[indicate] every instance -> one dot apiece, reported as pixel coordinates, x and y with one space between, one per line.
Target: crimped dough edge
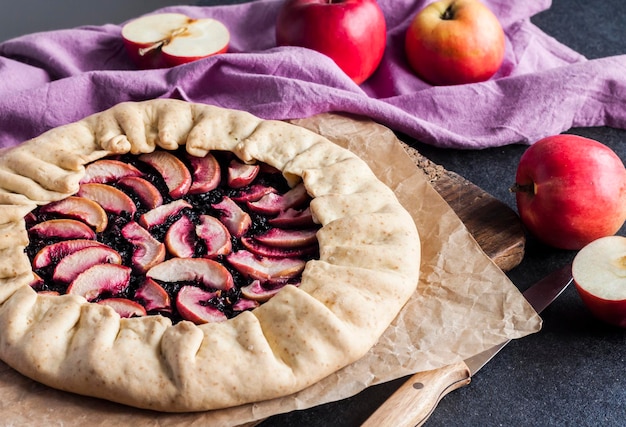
367 270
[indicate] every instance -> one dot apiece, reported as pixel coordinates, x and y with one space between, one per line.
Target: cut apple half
169 39
599 272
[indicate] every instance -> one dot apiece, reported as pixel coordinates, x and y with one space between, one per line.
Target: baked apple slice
241 174
293 218
206 173
293 238
252 245
66 229
255 291
209 273
54 252
110 198
252 193
153 296
215 236
108 170
73 264
180 238
161 214
265 268
193 305
236 220
148 251
79 208
100 279
274 203
173 171
145 191
124 307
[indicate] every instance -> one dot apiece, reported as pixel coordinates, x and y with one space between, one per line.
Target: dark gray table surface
572 373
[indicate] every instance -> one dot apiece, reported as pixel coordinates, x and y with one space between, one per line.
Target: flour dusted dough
367 270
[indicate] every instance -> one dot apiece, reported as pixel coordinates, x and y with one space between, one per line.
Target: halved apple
169 39
599 272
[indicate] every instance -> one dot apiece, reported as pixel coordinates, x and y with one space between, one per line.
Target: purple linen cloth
543 88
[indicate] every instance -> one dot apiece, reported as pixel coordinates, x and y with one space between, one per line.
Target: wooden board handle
417 398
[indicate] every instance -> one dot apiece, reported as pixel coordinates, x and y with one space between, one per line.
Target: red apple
169 39
453 42
599 272
353 33
570 191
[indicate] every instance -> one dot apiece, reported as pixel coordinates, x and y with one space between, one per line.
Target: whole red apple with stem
353 33
170 39
570 190
599 272
452 42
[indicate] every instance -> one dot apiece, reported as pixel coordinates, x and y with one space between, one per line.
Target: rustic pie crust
368 266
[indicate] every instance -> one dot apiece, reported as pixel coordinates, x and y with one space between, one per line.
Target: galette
184 257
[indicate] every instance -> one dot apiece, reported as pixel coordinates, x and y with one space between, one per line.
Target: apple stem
161 43
522 188
448 14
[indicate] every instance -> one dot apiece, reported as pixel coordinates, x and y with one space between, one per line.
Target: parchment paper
464 304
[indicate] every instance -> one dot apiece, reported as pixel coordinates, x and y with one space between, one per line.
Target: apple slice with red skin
265 268
37 282
173 171
108 170
66 229
215 236
70 266
100 279
79 208
153 295
148 251
272 203
206 173
170 39
293 218
180 238
241 174
110 198
124 307
192 304
209 273
54 252
276 252
599 272
253 193
293 238
244 304
160 214
236 220
257 292
145 191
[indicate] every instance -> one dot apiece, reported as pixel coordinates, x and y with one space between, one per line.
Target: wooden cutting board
495 226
